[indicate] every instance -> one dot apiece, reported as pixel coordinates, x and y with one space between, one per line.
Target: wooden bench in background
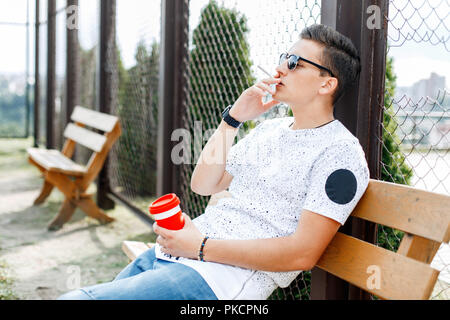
403 275
70 178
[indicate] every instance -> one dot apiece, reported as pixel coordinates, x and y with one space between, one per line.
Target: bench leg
45 192
91 209
68 208
64 215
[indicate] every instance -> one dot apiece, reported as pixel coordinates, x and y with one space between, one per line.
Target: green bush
12 111
393 166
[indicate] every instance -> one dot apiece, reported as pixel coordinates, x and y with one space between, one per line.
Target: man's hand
249 105
180 243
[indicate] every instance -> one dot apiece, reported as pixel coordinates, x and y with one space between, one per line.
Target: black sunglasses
293 62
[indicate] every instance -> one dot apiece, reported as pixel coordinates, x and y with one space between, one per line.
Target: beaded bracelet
200 252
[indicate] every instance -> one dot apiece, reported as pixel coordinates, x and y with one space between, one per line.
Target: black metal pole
27 74
370 108
175 16
51 76
36 79
108 65
360 110
72 61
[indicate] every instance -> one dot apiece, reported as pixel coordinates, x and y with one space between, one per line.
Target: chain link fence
416 125
133 158
88 55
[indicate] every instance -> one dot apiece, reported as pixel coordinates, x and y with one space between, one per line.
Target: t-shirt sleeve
236 155
339 179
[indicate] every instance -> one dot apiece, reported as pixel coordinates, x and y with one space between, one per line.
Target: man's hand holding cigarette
250 104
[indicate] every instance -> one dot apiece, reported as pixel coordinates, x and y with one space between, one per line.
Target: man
294 181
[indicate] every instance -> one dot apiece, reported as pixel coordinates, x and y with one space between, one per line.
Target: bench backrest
405 274
100 144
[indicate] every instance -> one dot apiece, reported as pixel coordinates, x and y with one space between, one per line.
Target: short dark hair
339 55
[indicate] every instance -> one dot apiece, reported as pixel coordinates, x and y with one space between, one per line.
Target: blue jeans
148 278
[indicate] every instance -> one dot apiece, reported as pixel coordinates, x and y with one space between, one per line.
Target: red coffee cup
167 212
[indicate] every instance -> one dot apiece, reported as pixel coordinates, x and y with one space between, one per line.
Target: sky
273 27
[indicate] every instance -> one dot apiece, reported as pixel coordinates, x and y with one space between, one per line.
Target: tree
219 71
138 112
220 65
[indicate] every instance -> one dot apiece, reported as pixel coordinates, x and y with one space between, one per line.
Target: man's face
301 85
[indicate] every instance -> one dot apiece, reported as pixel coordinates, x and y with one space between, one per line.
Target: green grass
13 155
6 283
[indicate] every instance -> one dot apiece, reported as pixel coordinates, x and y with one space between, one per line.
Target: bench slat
89 139
401 207
414 211
134 248
418 248
94 119
55 161
400 277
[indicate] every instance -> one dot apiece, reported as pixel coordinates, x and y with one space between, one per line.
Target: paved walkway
38 264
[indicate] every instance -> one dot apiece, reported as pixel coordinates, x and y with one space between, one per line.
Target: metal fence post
370 106
72 63
27 76
36 79
51 76
172 95
361 111
106 76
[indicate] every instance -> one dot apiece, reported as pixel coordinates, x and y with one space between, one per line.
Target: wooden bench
402 275
70 178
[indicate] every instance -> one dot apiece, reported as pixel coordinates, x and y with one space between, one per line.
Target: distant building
420 95
13 83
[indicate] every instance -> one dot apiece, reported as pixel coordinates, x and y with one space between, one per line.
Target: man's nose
281 69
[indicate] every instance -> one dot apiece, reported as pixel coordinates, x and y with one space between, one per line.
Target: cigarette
273 86
265 71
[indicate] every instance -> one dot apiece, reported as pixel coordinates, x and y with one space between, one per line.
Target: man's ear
330 85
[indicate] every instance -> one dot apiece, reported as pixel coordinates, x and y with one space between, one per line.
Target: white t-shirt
277 172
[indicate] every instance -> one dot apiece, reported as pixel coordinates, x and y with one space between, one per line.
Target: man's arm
299 251
209 175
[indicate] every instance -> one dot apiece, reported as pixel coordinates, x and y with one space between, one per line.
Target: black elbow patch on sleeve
341 186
